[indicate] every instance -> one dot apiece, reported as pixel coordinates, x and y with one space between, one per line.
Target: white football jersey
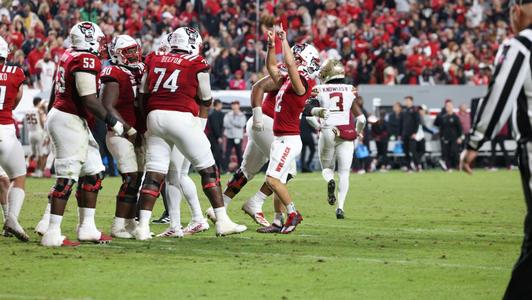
338 99
47 73
33 120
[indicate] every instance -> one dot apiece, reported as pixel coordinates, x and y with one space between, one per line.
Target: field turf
432 235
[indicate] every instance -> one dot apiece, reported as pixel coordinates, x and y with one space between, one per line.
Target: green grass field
432 235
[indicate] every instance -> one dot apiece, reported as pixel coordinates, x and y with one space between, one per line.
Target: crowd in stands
380 41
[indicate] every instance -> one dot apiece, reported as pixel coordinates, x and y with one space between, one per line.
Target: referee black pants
520 286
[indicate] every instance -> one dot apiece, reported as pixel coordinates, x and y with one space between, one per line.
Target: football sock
144 217
88 216
81 215
15 198
343 187
4 211
328 174
278 219
259 198
173 202
221 214
191 195
46 214
55 222
119 222
227 200
290 208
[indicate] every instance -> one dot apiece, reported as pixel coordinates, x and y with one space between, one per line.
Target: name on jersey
328 89
3 76
171 59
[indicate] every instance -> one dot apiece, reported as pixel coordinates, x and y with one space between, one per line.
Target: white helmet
4 48
87 36
124 50
307 57
185 39
164 44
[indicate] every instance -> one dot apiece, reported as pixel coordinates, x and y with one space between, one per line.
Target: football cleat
69 243
121 233
196 227
274 228
42 226
53 238
331 187
291 222
172 233
6 234
229 227
339 213
257 216
14 228
142 233
164 219
209 213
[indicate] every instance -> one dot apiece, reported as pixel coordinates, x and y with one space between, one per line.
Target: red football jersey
128 81
11 78
289 106
66 93
173 81
268 104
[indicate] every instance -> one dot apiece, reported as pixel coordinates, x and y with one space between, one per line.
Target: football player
77 155
12 158
171 85
120 81
178 183
336 99
302 61
34 120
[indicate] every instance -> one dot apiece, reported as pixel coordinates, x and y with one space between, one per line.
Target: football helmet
307 58
331 69
124 50
185 39
164 44
87 36
4 48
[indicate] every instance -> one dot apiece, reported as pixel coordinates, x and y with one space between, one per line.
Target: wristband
257 114
132 131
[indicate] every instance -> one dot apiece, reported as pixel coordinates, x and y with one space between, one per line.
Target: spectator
380 135
410 123
234 124
308 143
238 82
393 121
215 128
465 118
45 70
450 135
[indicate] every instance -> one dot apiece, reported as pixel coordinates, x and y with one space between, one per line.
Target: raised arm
264 85
205 96
291 65
271 60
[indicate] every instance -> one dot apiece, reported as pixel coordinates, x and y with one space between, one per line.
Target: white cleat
13 227
131 225
196 227
42 226
228 227
142 233
172 233
121 233
211 215
256 215
52 238
91 234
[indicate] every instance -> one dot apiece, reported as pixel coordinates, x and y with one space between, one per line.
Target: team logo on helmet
192 35
88 31
298 48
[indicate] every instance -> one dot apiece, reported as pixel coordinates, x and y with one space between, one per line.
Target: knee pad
61 189
91 183
237 182
129 188
151 185
210 177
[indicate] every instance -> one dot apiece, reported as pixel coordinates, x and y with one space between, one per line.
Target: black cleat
339 213
164 219
331 187
273 228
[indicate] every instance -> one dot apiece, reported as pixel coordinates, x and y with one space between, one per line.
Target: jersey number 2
338 100
170 83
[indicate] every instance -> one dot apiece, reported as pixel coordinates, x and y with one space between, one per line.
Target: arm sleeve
204 86
85 83
508 78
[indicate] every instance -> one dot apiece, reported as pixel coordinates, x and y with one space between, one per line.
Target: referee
510 91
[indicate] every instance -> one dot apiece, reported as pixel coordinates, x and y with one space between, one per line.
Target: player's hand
466 159
360 136
281 34
336 131
271 39
324 113
131 134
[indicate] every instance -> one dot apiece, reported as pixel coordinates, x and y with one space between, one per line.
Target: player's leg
197 222
193 143
4 187
123 151
89 185
282 161
173 196
344 155
157 161
326 146
278 219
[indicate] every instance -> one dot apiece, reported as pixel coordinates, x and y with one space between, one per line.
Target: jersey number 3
170 83
337 102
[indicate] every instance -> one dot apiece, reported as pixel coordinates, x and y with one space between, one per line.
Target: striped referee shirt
509 94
